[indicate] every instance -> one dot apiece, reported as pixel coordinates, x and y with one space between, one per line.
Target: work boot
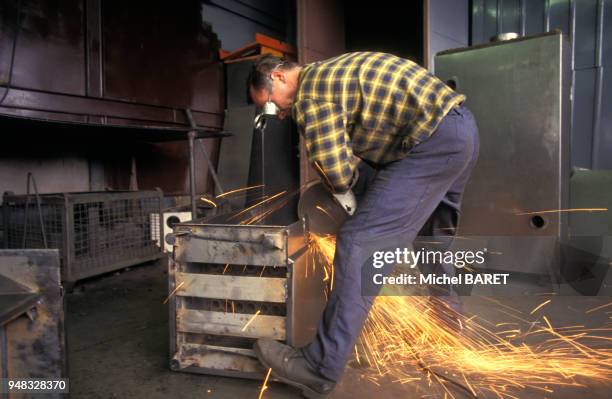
290 366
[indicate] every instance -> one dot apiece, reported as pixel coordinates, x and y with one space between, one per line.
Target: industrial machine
519 93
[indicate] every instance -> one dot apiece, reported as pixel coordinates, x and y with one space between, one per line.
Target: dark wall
387 26
237 21
95 63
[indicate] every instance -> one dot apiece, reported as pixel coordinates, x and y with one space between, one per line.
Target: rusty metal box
231 284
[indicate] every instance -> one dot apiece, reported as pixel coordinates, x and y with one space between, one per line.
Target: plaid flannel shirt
369 106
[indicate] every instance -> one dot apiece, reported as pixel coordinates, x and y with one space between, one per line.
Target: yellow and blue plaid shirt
374 106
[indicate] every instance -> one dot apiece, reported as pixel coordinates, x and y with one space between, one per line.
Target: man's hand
347 201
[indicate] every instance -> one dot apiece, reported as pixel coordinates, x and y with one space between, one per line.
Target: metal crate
96 232
225 274
32 336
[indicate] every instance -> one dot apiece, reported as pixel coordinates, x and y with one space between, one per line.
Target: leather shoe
290 366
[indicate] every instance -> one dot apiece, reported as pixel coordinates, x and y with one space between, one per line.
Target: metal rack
95 232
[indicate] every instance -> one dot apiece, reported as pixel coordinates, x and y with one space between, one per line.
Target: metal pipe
211 169
192 175
546 15
572 35
263 165
598 85
3 353
38 206
500 5
191 135
523 17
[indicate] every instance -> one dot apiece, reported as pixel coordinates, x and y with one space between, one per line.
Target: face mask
269 110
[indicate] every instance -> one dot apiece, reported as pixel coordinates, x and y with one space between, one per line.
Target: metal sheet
138 46
585 35
489 20
510 15
323 215
559 14
306 301
203 348
297 240
518 92
588 250
605 144
35 347
205 359
248 245
534 20
235 152
263 289
582 135
50 42
206 322
236 90
275 165
607 35
15 299
111 51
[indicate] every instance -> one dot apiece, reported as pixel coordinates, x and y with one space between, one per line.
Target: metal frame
67 202
213 245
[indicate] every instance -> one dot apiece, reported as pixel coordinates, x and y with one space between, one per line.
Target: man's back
388 104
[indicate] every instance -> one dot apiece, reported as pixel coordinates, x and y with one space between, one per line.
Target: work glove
347 201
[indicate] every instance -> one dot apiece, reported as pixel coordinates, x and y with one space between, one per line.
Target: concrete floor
117 329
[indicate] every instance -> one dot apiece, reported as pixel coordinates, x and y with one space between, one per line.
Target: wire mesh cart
96 232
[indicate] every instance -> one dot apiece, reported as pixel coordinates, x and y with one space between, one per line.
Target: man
414 131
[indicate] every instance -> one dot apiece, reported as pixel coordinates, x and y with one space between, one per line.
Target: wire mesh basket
96 232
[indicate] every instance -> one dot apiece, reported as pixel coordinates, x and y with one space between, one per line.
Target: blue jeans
420 194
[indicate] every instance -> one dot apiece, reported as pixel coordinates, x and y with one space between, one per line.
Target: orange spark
258 204
237 191
316 164
173 292
406 339
599 308
563 210
540 306
251 320
265 386
319 208
208 201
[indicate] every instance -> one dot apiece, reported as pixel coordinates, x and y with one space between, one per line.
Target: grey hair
259 76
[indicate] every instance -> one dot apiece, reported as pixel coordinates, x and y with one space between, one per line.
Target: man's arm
327 142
